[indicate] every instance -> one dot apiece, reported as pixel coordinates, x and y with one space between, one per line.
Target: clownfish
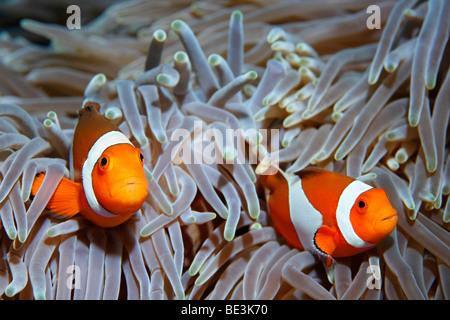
326 213
109 181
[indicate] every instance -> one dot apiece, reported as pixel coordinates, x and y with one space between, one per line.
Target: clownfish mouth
385 224
132 182
390 218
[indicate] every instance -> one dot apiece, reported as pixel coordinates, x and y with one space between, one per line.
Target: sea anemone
300 83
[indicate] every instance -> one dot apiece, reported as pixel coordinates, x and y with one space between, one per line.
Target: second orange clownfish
327 213
110 183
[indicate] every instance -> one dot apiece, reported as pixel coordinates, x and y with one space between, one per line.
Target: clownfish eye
362 206
104 162
140 155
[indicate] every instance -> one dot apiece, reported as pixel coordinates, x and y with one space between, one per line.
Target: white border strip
305 218
104 142
345 204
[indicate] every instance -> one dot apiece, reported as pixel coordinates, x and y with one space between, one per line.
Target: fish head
372 216
118 179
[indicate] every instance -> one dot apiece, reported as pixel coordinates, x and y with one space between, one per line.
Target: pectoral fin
66 200
325 243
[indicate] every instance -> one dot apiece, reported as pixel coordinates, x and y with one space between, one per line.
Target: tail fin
37 183
66 200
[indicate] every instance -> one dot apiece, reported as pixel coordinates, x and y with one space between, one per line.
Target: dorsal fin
89 106
309 172
90 127
323 189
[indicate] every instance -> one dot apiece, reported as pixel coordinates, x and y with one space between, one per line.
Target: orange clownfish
327 213
110 183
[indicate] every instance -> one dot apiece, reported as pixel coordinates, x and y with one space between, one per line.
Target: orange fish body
328 213
109 181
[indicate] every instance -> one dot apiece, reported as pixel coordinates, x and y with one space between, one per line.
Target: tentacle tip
22 237
200 281
412 214
251 75
224 214
167 209
269 99
51 232
338 106
254 212
175 193
432 166
365 169
410 205
390 136
340 154
12 233
48 123
51 114
285 142
193 269
10 290
142 140
160 35
389 67
144 232
263 166
228 234
28 24
319 156
237 15
181 57
307 114
372 79
446 190
113 113
214 60
258 118
413 120
166 80
255 226
312 104
430 83
177 25
148 173
288 122
229 154
99 79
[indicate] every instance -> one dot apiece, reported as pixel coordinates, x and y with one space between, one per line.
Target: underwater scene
225 150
